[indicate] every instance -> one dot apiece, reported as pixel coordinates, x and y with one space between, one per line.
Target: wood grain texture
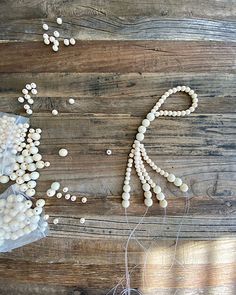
113 28
123 56
127 54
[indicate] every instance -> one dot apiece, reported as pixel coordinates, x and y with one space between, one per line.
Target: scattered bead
55 186
82 220
59 21
66 42
108 152
72 41
73 198
84 200
63 152
54 112
45 27
55 220
65 189
71 101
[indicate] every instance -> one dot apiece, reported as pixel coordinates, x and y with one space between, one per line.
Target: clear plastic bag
13 130
10 230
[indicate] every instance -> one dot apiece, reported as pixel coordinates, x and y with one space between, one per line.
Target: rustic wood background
127 54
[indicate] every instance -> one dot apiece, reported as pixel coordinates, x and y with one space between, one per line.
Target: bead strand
138 153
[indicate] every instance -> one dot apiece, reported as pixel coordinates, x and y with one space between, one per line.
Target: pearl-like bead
142 129
126 188
84 200
82 220
163 203
72 41
140 136
51 192
150 116
56 34
160 196
148 202
184 187
125 203
178 182
59 195
146 123
147 194
55 220
55 112
73 198
146 187
71 101
45 27
59 20
126 196
40 203
66 42
171 178
157 189
55 186
63 152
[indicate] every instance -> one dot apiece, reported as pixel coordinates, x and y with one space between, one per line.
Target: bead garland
138 154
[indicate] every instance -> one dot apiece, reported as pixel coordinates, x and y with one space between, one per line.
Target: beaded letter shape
138 154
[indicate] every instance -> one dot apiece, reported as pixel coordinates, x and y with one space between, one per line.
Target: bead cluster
54 39
53 190
27 162
138 154
30 88
12 136
18 218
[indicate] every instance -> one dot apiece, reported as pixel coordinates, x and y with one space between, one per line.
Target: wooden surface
127 54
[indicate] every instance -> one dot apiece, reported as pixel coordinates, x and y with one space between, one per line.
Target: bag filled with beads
13 131
21 221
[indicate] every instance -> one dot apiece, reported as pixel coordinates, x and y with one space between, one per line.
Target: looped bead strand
138 153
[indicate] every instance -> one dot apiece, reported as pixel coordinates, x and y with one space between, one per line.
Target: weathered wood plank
115 56
112 93
15 9
212 263
113 28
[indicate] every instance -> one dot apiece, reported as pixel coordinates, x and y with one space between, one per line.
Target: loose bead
59 20
38 210
84 200
45 27
59 195
63 152
30 192
55 112
66 42
108 152
55 186
184 187
40 203
46 217
55 48
72 41
71 101
73 198
82 220
55 220
56 34
51 193
67 196
65 189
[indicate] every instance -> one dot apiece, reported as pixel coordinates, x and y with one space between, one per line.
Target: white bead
73 198
51 192
55 221
54 112
52 39
63 152
150 116
146 187
55 186
55 48
30 192
40 203
142 129
66 42
46 217
4 179
65 189
178 182
23 187
47 164
31 167
71 101
56 34
29 212
84 200
59 195
160 196
33 85
67 196
147 194
108 152
126 196
39 164
34 175
28 204
37 157
184 187
46 41
59 20
21 99
31 184
139 136
163 203
82 220
38 210
126 188
33 150
72 41
125 203
26 107
25 91
146 123
36 136
171 178
34 91
157 189
45 27
148 202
